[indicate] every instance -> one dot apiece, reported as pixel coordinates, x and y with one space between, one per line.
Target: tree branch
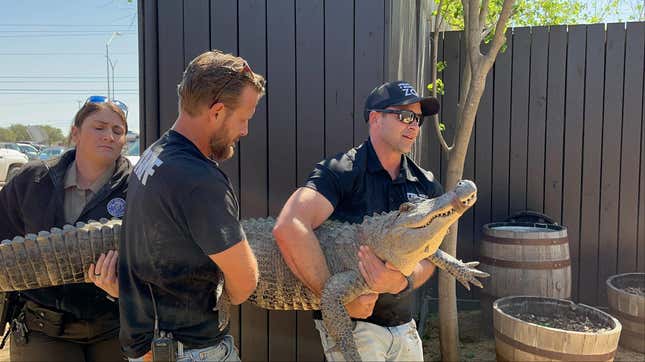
499 38
442 140
483 13
435 58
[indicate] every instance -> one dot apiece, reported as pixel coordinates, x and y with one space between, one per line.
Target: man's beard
221 148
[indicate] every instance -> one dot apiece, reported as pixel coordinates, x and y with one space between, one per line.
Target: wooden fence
559 129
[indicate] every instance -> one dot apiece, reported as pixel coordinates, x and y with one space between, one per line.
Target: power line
66 76
64 25
124 92
70 53
59 35
64 81
62 31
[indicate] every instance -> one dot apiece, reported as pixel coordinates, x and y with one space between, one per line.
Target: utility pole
108 62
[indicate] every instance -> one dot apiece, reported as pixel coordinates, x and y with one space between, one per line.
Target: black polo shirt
181 209
357 185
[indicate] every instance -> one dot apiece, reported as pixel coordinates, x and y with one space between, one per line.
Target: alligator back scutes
56 257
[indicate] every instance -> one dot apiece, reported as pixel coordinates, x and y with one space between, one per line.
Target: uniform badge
116 207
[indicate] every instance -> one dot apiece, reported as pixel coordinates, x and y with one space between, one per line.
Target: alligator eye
406 206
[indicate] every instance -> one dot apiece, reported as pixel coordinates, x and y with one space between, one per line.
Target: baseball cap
398 93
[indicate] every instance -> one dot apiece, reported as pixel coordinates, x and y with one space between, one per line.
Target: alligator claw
468 274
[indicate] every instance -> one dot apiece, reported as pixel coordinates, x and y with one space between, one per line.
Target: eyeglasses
246 72
405 116
104 99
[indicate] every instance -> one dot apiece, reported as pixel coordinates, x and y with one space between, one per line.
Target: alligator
403 238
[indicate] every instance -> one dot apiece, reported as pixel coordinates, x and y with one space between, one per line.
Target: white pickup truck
10 163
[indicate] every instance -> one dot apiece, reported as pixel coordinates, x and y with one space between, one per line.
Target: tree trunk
448 326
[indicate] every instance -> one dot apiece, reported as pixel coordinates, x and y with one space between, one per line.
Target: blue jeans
376 343
225 350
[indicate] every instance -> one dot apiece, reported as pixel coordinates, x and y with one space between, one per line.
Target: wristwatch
408 289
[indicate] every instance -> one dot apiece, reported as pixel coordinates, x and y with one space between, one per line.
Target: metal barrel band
561 356
623 315
630 334
538 265
511 241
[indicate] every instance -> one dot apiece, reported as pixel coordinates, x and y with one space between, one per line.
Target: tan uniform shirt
75 197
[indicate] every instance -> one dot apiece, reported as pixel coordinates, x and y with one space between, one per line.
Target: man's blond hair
215 77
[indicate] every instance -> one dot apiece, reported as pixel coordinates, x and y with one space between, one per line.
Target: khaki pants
376 343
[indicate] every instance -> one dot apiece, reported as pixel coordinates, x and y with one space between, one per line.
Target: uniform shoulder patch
116 207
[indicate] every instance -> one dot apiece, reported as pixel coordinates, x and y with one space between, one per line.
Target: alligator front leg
464 272
340 289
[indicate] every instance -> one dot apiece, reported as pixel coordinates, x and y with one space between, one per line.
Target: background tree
20 132
54 134
485 22
6 135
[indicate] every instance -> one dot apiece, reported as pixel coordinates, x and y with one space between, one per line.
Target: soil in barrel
635 290
569 320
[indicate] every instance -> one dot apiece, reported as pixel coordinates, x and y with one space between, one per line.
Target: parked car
133 153
10 163
37 146
10 146
29 150
51 152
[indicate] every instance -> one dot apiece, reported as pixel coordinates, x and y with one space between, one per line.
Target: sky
52 57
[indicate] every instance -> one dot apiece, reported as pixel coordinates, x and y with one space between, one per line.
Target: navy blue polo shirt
357 185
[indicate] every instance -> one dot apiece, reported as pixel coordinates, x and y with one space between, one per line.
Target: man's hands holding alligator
380 277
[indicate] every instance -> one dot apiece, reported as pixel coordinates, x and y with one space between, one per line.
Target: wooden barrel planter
523 258
626 294
538 329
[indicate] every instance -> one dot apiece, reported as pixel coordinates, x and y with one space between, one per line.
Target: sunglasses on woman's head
104 99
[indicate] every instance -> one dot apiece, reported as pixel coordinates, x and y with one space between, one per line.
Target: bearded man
182 219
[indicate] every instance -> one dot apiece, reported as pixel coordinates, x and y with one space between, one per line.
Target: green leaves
440 90
549 12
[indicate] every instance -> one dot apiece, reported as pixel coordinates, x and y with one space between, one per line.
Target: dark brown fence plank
253 166
148 74
537 119
196 28
310 85
281 60
451 50
573 135
310 119
171 60
430 157
640 267
611 142
224 25
483 159
519 119
224 37
591 161
369 34
641 203
467 221
630 160
339 76
501 130
555 122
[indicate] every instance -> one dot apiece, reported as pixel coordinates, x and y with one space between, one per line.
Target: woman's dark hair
89 108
